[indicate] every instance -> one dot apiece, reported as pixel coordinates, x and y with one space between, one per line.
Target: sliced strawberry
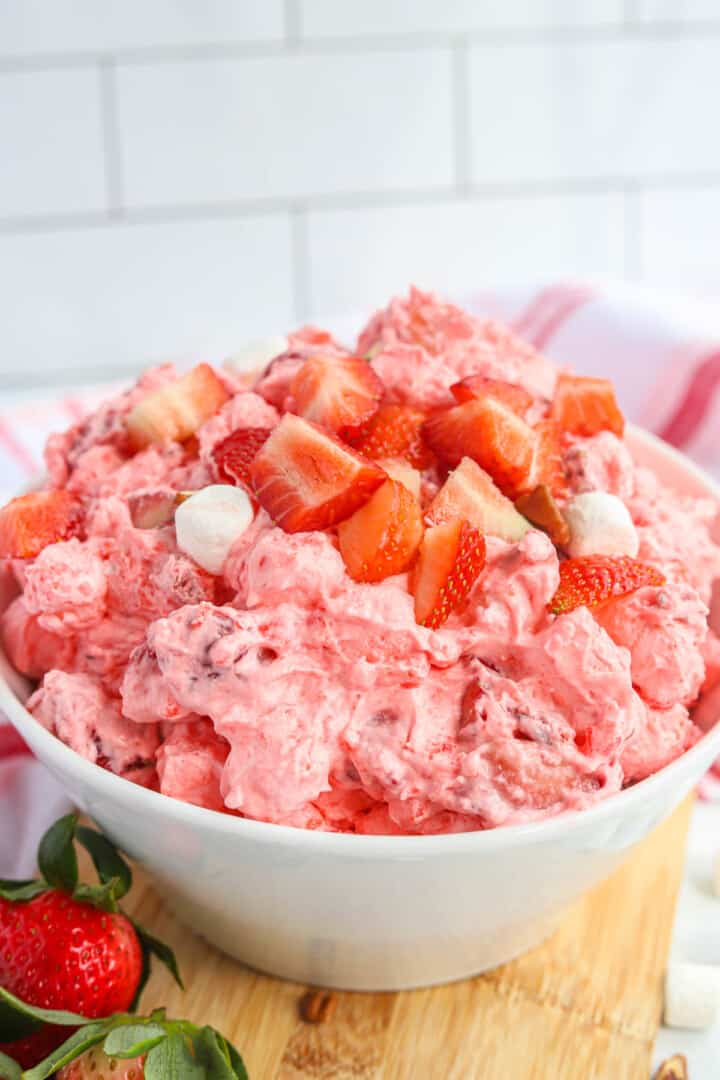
151 509
469 493
399 469
539 507
175 411
515 397
593 579
451 558
491 434
340 392
233 456
30 522
394 432
584 406
382 537
548 468
307 479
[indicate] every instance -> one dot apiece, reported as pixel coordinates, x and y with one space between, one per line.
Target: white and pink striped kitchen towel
662 352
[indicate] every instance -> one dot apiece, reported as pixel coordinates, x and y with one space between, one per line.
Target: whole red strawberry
66 946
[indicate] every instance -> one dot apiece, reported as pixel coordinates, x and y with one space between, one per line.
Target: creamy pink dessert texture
285 691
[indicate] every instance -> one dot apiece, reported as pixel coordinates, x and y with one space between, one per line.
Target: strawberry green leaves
152 946
57 860
18 1019
9 1069
108 862
172 1049
58 865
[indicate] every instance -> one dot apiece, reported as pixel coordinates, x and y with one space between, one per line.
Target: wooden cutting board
584 1006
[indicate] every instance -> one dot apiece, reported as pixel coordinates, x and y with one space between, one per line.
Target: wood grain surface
584 1006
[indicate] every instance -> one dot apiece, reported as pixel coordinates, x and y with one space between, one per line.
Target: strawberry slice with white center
340 392
175 411
585 406
233 456
515 397
31 522
469 493
401 470
382 537
307 479
491 434
451 558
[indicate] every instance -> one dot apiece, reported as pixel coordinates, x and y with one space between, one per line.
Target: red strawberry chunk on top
547 467
305 478
30 522
595 579
451 558
515 397
491 434
382 537
395 431
585 406
233 456
340 392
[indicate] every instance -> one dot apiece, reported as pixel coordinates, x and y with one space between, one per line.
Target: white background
179 175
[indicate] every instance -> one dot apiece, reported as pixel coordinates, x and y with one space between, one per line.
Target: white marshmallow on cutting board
600 524
256 355
692 995
209 521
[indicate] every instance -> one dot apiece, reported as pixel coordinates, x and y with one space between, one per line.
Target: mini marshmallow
600 524
209 521
692 995
256 355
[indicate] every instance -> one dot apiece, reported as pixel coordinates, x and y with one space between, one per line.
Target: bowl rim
353 844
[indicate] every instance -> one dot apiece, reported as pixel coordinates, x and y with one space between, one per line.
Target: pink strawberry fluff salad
288 671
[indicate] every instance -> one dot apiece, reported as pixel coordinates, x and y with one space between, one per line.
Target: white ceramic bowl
373 912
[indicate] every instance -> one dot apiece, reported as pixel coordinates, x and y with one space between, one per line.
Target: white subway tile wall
176 177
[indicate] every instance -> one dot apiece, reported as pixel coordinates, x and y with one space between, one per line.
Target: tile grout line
354 200
302 290
294 40
462 125
114 181
293 23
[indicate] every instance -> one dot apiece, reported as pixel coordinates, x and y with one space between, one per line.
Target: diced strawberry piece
491 434
175 411
539 507
584 406
307 479
395 431
401 470
340 392
30 522
234 455
515 397
451 558
470 494
548 468
152 509
594 579
382 537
